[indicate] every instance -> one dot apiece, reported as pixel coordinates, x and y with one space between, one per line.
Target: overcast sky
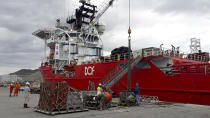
153 22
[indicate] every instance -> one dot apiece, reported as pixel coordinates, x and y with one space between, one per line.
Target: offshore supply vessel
76 56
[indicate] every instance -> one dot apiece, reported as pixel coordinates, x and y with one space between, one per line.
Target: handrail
118 72
174 53
195 68
123 56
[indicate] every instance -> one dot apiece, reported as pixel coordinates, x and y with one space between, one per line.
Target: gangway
116 74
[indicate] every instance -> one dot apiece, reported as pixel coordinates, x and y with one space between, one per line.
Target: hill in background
23 74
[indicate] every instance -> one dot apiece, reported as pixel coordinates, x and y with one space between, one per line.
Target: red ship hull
184 82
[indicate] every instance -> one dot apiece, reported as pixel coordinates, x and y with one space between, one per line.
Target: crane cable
129 53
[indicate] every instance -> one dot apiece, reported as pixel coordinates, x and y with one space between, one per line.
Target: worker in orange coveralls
17 87
11 89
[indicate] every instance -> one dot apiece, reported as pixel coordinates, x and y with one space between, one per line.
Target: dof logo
89 70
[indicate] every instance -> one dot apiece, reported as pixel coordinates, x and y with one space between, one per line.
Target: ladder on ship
116 74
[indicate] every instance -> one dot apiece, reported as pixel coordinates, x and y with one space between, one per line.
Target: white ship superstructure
78 40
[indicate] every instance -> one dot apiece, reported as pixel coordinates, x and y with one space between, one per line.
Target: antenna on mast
195 46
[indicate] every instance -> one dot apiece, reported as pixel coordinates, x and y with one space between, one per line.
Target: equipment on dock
55 98
35 88
92 100
59 97
127 98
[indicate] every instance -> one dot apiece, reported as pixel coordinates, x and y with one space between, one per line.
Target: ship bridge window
164 64
96 38
73 34
90 38
143 65
98 51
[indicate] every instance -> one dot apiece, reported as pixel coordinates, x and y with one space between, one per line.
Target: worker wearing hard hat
11 88
104 97
100 96
27 95
99 89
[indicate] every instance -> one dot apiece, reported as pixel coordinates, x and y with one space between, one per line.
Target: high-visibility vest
99 90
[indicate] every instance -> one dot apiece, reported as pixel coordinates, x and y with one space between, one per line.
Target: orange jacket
17 86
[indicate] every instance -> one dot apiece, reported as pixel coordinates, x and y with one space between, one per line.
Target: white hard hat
27 83
99 84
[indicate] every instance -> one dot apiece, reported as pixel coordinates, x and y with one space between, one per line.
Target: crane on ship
103 9
95 19
78 40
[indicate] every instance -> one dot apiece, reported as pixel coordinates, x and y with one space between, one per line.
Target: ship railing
178 54
117 73
123 56
169 52
111 75
163 52
197 57
195 68
116 57
123 71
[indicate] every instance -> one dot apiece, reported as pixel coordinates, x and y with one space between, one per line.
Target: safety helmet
99 84
104 85
27 83
137 84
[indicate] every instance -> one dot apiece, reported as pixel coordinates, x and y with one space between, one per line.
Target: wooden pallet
60 112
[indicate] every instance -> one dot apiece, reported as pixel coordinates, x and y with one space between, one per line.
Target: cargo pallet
60 112
55 98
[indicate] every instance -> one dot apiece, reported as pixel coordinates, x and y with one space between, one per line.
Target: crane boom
106 6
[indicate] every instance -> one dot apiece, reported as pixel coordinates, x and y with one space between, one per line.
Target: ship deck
13 107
